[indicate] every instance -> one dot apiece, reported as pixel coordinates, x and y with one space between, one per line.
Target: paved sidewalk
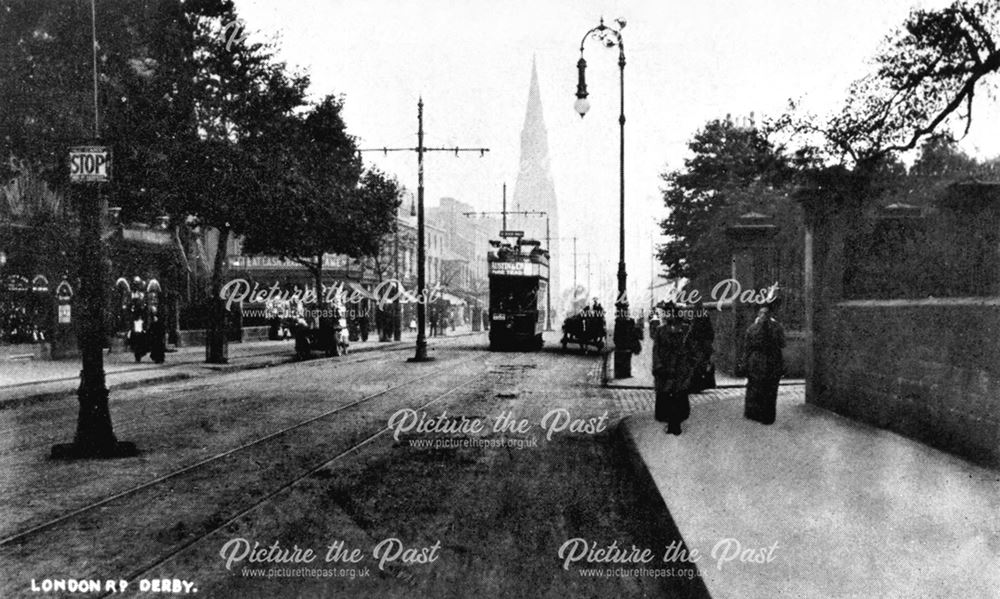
32 371
642 372
27 380
840 508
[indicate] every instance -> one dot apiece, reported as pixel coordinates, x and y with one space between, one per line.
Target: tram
519 280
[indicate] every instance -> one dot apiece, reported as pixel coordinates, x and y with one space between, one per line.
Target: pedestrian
364 324
137 310
342 338
157 335
273 319
764 365
701 338
672 370
287 319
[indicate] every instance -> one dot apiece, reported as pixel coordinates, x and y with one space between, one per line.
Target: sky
687 63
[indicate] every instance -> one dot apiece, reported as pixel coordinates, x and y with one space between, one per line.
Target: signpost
89 164
90 167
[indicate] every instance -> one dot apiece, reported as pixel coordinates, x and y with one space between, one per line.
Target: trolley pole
422 291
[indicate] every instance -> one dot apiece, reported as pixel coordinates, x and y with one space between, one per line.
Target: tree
733 169
190 112
48 85
242 99
926 77
144 102
330 205
941 157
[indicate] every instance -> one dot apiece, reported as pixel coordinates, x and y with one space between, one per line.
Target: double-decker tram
519 279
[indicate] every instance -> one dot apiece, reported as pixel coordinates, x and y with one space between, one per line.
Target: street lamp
94 436
611 37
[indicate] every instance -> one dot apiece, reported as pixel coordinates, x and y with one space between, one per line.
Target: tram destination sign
526 269
511 233
89 164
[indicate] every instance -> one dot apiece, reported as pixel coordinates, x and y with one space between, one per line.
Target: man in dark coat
764 365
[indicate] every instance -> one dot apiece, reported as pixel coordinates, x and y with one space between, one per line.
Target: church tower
534 189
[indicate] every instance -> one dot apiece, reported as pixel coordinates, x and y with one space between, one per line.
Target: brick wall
928 369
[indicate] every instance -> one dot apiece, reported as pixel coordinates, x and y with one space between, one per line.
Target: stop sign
89 164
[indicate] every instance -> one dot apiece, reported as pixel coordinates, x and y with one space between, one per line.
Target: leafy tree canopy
732 168
926 77
329 205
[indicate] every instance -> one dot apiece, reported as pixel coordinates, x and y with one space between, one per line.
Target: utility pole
397 325
422 293
504 211
652 273
588 272
574 268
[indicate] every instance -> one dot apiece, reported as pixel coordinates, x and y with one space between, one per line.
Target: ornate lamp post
624 325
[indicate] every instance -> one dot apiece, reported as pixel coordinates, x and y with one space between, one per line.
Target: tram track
357 447
144 368
27 534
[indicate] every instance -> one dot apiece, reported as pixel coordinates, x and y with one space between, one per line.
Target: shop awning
354 286
454 300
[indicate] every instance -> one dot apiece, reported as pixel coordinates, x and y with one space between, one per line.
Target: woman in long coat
672 371
764 366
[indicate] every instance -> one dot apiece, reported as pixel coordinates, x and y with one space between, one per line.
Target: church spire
533 189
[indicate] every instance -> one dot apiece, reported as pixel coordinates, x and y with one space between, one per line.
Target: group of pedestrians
147 330
682 362
439 321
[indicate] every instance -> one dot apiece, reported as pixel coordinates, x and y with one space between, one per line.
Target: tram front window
514 297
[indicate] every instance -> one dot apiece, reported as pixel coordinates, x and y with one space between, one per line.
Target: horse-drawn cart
586 329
